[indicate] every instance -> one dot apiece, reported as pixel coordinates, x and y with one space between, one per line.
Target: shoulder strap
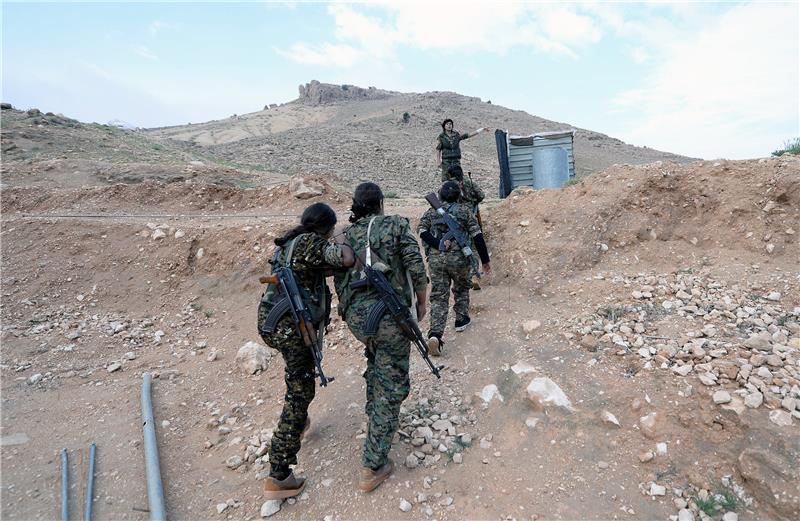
288 260
369 248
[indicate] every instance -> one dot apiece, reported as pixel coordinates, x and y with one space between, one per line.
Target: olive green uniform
449 268
387 353
450 145
471 194
308 255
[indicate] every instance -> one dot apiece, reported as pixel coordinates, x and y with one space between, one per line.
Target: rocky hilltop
351 133
316 93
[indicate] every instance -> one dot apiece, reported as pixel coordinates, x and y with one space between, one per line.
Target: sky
704 79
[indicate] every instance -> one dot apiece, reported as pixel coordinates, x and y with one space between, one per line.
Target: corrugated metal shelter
543 160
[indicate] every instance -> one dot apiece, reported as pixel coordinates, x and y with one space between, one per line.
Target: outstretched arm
467 135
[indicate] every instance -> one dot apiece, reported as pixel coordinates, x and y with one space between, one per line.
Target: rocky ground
385 137
635 355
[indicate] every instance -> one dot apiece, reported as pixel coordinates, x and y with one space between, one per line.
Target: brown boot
281 489
370 479
476 282
435 345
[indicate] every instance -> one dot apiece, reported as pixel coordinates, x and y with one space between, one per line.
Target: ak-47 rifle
455 232
292 301
475 208
391 302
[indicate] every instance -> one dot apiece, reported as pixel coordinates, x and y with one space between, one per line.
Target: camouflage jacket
393 244
449 144
311 256
432 222
471 194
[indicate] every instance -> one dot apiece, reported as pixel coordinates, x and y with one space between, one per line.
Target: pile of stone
745 346
700 504
249 451
436 425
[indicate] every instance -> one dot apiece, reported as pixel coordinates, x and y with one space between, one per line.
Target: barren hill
357 134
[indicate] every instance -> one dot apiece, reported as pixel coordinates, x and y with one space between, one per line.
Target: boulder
544 392
774 479
305 188
253 357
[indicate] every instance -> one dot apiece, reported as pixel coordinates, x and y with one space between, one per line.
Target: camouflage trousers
386 377
300 389
446 163
448 271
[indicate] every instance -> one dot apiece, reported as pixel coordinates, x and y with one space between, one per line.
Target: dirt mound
738 206
170 198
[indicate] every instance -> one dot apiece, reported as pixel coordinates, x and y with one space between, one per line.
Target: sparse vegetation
722 499
791 146
406 117
391 195
706 505
612 313
572 181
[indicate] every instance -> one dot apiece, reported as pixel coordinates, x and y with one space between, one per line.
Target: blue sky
704 79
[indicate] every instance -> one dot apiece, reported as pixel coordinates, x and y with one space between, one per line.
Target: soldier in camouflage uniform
306 250
392 245
471 193
449 267
448 146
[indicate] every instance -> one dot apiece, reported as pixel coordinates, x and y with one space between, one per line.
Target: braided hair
367 200
317 218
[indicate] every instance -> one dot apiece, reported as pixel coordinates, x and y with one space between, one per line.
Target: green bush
406 117
791 146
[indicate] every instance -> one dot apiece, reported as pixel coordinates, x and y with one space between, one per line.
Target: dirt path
80 294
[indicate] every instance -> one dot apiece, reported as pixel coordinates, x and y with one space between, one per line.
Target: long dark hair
449 192
456 172
317 218
366 201
445 123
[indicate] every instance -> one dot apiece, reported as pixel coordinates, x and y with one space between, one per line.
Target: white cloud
145 52
157 25
442 27
725 92
639 55
329 55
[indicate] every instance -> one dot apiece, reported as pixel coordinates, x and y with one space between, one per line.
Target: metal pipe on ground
155 489
87 511
64 485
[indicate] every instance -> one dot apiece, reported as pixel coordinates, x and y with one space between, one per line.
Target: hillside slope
331 132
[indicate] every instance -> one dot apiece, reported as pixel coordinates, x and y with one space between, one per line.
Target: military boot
435 345
476 282
283 488
370 479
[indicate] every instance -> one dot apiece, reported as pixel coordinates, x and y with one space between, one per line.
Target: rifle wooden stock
268 279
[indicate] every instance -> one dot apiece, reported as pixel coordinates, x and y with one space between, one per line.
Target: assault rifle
455 231
292 301
391 302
